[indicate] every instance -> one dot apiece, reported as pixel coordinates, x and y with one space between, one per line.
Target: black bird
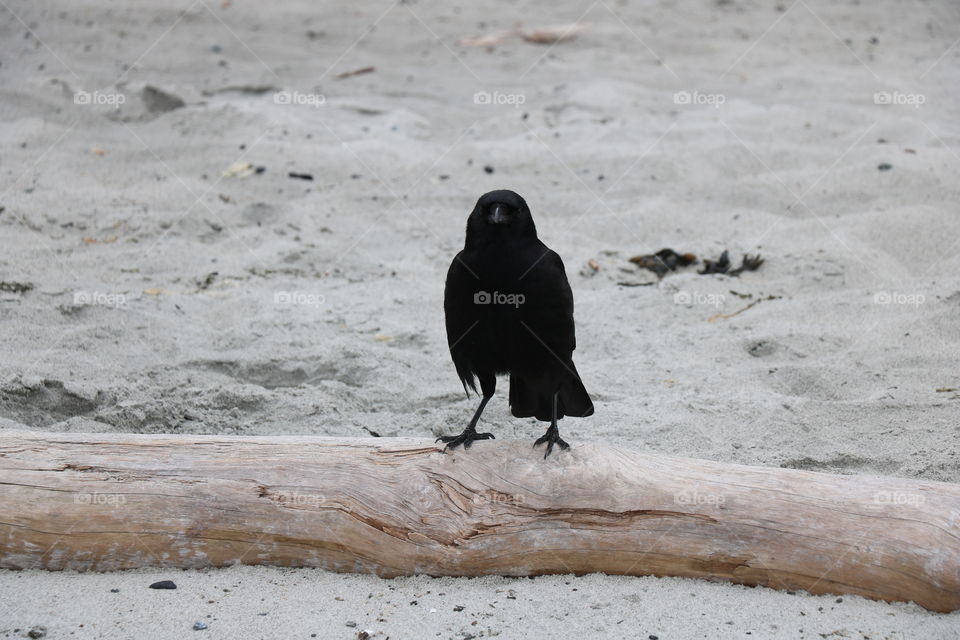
509 309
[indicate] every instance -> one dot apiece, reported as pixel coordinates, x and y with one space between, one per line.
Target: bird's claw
466 439
551 437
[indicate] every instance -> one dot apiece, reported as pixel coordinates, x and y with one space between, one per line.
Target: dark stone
163 584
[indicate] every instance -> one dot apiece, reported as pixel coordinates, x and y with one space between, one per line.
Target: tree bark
399 506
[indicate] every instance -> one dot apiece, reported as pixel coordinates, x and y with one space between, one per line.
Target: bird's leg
470 433
552 436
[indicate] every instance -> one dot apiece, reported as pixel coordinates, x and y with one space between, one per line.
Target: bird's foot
551 437
466 439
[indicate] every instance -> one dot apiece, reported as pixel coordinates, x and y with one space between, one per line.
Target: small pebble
199 626
351 624
488 169
884 166
114 590
163 584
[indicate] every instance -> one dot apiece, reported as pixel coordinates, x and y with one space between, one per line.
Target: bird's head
498 215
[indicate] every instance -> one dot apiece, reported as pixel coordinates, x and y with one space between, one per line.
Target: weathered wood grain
398 506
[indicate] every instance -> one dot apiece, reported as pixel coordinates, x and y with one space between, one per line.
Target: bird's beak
498 215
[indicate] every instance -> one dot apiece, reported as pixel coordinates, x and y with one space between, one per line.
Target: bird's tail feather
523 400
574 399
534 397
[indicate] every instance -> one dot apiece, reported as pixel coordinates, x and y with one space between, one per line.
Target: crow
509 310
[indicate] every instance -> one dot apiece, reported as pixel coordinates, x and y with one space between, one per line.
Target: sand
169 298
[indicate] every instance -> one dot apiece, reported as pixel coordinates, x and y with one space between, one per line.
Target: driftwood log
398 506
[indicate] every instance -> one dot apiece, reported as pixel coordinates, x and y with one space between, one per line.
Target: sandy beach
161 271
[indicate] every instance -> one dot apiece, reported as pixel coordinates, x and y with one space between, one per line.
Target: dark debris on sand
163 584
664 261
15 287
667 260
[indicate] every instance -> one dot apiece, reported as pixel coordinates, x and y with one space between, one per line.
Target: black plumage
509 310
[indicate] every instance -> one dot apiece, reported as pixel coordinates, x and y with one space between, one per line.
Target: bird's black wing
461 318
551 317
